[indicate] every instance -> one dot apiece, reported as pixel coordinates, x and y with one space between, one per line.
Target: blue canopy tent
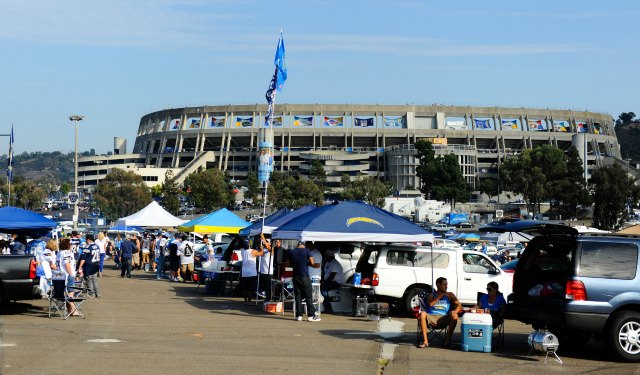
16 220
270 226
126 228
353 221
256 228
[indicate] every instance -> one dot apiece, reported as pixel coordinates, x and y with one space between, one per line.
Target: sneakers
299 318
158 278
314 318
262 295
180 279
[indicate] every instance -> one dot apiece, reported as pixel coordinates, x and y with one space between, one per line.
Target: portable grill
545 342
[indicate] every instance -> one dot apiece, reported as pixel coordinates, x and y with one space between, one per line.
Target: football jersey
91 256
66 257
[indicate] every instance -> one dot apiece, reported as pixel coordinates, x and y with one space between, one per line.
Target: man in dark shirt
90 265
300 259
126 250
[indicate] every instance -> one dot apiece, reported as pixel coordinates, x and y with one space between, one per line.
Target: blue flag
281 64
10 157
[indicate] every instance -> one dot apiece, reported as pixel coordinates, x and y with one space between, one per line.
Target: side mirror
494 272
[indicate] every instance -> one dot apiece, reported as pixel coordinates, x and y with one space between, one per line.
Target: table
228 276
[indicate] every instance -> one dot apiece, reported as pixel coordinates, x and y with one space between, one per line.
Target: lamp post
75 119
398 157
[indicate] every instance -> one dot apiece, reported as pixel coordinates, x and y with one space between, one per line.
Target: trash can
477 331
359 306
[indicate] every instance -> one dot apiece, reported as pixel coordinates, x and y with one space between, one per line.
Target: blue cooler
477 332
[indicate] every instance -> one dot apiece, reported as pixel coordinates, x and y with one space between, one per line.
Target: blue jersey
441 307
36 248
91 256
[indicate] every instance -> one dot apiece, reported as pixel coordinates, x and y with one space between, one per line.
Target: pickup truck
401 273
442 227
18 279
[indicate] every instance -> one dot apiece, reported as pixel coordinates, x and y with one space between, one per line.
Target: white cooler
477 332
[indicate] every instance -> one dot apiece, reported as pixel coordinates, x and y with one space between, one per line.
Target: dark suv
577 286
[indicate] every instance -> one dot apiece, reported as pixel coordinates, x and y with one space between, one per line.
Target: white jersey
102 245
334 266
317 259
66 257
161 245
185 251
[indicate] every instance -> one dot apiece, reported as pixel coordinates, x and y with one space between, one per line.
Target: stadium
352 139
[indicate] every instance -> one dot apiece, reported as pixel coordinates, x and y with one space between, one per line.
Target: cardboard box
272 307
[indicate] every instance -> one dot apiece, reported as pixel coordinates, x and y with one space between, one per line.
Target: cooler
477 332
359 306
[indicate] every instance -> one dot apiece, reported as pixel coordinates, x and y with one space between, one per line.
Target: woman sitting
494 302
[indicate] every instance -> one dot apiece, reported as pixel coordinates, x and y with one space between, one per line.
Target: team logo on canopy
364 220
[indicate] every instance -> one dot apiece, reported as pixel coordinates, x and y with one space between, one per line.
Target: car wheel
624 335
412 299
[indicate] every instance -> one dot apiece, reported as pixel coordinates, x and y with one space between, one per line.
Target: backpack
188 251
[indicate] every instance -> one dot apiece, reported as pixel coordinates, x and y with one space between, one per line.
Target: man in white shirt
333 278
161 244
266 269
185 252
315 272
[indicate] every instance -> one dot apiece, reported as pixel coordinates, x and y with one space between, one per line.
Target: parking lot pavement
147 326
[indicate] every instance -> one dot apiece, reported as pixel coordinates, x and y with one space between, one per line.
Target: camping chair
498 331
59 298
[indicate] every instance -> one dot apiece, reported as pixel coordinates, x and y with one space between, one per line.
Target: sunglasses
489 289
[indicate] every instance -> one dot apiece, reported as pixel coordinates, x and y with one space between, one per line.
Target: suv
402 273
578 286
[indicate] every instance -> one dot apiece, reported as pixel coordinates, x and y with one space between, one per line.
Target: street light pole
398 173
75 119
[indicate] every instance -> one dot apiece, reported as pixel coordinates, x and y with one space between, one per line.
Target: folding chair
498 331
434 332
59 299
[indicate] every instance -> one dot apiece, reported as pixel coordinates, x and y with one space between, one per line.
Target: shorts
145 257
185 267
135 259
438 320
71 282
174 265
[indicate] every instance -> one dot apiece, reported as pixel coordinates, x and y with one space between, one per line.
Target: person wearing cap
161 243
89 265
126 253
314 269
333 278
300 258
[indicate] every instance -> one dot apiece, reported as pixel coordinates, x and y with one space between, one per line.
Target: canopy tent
221 221
125 229
353 221
153 215
256 228
505 237
271 225
16 220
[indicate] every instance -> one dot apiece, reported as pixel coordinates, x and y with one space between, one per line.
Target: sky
115 61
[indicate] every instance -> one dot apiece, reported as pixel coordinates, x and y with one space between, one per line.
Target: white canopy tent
153 215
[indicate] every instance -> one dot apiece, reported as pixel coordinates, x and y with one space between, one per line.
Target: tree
489 186
318 175
65 188
293 192
366 189
571 188
612 190
426 156
121 193
253 186
171 193
25 193
440 177
625 118
209 189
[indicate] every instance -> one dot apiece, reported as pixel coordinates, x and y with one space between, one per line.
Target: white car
402 273
449 244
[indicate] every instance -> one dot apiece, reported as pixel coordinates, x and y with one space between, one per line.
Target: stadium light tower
76 119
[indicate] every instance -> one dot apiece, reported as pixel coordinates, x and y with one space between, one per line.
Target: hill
53 167
629 139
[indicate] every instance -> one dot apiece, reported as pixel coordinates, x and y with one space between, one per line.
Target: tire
411 299
623 335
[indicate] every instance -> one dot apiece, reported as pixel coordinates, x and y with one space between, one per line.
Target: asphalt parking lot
145 326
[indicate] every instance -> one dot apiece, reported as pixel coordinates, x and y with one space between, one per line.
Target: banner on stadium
561 126
276 121
175 124
455 124
582 127
511 124
245 122
333 121
482 124
217 122
393 121
597 129
194 123
363 122
303 121
537 125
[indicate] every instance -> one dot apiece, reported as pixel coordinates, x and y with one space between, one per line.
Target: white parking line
103 341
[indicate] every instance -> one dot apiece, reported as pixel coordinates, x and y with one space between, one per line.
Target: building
353 139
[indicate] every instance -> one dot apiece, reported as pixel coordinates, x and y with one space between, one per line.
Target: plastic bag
535 291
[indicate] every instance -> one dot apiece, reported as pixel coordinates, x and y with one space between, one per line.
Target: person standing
67 263
161 243
126 253
174 259
249 271
300 258
146 250
266 268
185 252
135 258
101 242
90 265
315 272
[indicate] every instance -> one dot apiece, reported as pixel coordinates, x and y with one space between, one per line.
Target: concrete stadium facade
353 139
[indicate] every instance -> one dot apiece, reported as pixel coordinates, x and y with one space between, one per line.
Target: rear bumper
557 317
17 290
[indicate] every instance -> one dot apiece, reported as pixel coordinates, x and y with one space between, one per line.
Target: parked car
401 273
464 224
442 227
510 267
578 286
449 244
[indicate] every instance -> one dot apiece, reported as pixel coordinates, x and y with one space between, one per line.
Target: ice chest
272 307
477 332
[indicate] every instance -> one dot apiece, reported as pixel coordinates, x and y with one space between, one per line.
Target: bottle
357 279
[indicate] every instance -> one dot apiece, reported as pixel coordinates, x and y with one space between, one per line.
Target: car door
476 271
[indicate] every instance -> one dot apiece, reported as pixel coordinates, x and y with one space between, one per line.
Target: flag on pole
277 81
10 157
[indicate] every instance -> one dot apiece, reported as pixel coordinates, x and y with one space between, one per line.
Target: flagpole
10 166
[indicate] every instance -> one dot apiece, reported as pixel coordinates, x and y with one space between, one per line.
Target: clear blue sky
115 61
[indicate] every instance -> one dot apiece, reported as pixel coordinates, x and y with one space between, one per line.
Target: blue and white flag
10 157
482 124
279 76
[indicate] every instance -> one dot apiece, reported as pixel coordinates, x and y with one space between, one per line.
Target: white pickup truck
400 273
